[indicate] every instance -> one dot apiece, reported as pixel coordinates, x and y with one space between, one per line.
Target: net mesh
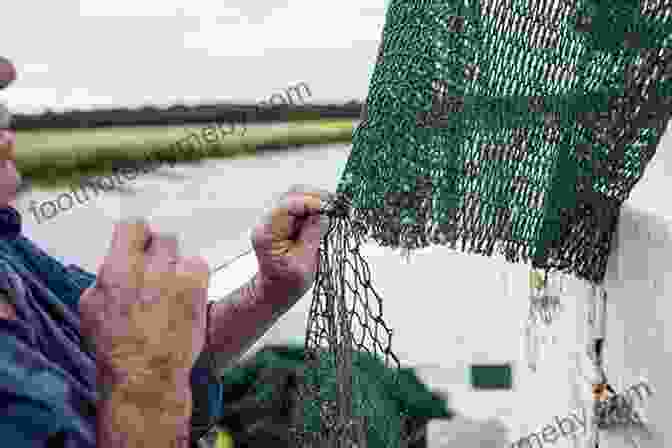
516 127
511 126
345 321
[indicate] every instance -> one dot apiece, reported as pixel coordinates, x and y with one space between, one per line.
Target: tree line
181 114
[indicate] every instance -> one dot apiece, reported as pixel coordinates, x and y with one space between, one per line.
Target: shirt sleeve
26 424
29 394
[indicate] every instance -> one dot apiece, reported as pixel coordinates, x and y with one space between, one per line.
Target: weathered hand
146 311
286 242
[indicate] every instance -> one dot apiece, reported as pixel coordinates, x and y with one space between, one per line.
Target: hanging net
511 126
346 332
516 127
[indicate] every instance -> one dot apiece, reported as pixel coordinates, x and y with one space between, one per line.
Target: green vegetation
58 157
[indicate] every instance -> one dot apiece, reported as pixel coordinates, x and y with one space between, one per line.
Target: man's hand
286 242
146 316
146 312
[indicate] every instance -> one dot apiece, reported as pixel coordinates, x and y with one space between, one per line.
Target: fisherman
107 360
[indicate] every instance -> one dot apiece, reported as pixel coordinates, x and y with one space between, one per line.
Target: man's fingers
324 195
284 222
300 204
289 217
299 201
164 247
311 233
124 265
308 189
161 257
129 237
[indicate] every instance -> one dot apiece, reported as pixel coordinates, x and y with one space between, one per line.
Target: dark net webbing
511 126
345 325
516 127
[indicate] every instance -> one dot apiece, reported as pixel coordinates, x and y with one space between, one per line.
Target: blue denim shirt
47 378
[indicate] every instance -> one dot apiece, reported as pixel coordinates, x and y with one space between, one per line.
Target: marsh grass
55 158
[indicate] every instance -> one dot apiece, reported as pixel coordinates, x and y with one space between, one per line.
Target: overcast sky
81 53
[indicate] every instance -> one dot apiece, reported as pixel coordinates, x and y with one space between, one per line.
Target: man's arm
286 242
244 316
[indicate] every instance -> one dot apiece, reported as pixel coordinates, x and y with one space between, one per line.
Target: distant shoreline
180 115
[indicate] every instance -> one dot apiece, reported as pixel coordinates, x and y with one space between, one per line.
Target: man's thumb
313 230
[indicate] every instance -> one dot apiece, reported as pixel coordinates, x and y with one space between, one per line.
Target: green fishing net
260 397
516 127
